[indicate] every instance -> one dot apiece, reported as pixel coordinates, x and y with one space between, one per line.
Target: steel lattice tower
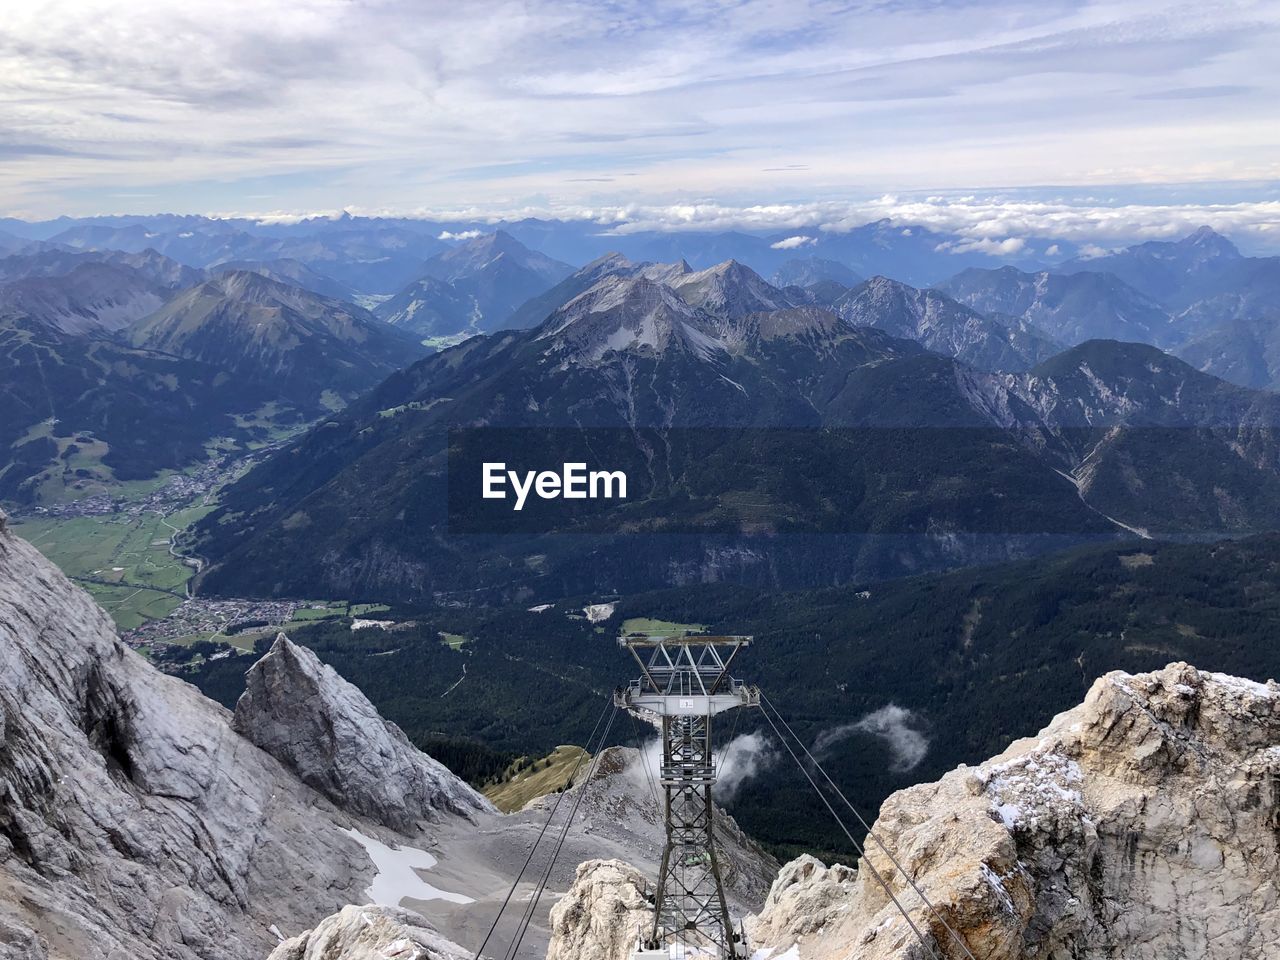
685 682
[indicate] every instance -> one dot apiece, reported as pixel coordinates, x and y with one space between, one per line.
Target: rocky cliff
370 933
135 824
602 913
1143 824
326 731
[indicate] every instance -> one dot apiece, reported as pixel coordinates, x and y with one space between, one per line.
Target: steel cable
564 832
871 833
537 840
857 846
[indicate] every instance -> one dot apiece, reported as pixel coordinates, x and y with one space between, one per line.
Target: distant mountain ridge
1106 439
944 325
813 271
473 287
1177 272
303 344
1071 308
112 373
92 297
294 272
382 255
1197 296
156 267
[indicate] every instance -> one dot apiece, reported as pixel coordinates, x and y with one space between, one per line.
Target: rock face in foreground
601 914
1144 824
134 823
325 730
371 933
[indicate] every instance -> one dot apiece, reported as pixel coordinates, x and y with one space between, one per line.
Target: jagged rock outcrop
133 821
805 898
371 933
135 824
1142 824
602 912
326 731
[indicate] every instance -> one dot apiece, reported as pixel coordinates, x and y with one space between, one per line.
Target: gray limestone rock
325 730
370 933
1141 824
134 822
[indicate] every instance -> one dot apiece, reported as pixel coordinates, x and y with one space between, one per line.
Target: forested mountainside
906 678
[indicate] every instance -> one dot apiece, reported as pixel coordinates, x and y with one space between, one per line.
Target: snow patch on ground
397 876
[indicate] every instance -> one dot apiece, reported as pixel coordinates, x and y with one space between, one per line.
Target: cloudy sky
733 112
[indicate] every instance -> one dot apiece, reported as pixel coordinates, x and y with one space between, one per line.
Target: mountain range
830 463
738 425
267 332
380 255
1198 297
118 365
472 288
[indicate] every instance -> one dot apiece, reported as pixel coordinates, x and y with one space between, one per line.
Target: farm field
123 560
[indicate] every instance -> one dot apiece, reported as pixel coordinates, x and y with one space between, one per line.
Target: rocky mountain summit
327 732
272 332
1141 824
473 287
945 326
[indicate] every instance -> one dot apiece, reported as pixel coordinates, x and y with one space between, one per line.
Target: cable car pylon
685 683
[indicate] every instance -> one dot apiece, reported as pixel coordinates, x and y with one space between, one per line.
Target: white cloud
996 248
460 235
793 243
504 104
1091 251
1098 224
742 758
893 724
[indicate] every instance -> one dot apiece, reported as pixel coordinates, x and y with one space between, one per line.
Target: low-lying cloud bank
744 757
993 224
